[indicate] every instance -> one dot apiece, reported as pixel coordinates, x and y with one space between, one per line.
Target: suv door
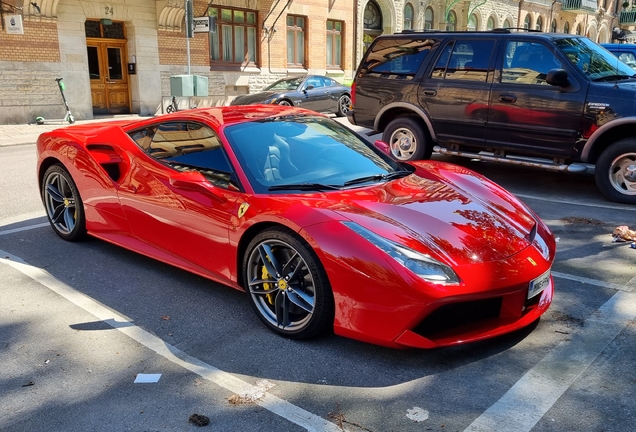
456 91
527 115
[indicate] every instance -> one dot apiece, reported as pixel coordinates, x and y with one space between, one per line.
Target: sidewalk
20 134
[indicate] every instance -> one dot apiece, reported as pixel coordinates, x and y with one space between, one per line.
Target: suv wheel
407 139
615 171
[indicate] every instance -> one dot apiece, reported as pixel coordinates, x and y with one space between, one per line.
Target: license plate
537 285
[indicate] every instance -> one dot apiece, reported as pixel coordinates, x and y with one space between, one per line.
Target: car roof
497 31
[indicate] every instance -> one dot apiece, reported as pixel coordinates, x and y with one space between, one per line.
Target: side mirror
309 87
194 181
383 147
558 77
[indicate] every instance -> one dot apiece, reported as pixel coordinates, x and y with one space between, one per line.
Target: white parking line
521 407
599 283
223 379
578 203
24 228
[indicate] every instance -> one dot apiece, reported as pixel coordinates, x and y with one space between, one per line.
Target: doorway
108 71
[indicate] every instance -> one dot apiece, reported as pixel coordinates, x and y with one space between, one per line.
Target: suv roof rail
495 30
508 30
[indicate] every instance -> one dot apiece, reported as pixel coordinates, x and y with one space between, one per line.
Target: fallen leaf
165 318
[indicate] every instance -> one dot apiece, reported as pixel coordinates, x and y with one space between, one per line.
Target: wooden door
109 76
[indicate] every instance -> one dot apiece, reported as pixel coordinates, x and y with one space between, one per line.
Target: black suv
552 101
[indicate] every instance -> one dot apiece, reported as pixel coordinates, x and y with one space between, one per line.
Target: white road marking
521 407
223 379
24 228
598 283
578 203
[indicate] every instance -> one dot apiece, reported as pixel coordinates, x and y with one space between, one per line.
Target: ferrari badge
242 209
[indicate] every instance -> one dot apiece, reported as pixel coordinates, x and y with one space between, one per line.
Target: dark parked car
314 92
552 101
625 52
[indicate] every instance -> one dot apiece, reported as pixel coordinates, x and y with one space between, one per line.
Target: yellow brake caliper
267 286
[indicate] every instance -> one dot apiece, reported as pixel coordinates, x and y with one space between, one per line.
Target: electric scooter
68 118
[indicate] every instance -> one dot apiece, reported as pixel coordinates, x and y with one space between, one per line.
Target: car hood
254 98
455 216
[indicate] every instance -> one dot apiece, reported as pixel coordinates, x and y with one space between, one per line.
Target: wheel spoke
69 218
282 309
301 299
287 268
269 260
257 288
58 214
54 193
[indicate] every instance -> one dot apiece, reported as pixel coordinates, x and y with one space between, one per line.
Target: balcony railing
582 6
628 17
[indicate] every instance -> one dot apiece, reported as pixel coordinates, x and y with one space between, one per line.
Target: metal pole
188 32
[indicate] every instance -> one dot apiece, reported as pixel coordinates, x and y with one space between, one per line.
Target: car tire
407 139
287 285
344 105
615 171
285 102
63 204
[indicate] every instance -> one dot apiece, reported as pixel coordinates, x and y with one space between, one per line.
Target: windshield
307 154
593 60
286 84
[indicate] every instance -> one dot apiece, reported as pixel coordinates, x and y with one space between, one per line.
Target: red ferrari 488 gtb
323 230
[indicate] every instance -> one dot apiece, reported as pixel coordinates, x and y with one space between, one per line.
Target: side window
402 57
527 63
187 146
315 81
466 60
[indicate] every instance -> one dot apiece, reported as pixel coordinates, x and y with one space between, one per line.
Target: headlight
422 265
269 101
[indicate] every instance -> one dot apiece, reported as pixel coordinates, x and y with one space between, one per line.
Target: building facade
118 56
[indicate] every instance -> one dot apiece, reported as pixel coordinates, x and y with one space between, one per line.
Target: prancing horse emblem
242 209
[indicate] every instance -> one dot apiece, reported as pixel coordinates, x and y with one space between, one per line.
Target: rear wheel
344 105
615 171
287 285
407 139
285 102
63 204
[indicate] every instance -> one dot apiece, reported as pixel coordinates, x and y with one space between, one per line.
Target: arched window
451 21
553 26
428 19
408 17
539 24
473 23
507 23
566 28
372 16
490 24
579 30
526 22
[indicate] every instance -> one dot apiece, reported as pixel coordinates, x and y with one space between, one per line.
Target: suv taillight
353 93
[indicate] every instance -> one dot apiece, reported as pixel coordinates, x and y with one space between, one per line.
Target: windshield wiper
378 177
613 77
304 187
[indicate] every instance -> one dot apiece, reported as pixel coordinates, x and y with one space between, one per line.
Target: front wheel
344 105
407 139
287 285
615 171
63 204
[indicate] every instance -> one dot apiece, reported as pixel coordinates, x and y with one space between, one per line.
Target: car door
185 219
456 90
526 114
316 98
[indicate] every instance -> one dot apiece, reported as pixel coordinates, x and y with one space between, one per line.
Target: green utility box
188 85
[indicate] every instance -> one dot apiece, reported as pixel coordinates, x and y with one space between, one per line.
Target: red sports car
323 230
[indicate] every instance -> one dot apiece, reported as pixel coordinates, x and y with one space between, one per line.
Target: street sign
204 24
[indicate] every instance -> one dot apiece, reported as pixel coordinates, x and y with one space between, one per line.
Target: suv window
403 58
527 63
464 60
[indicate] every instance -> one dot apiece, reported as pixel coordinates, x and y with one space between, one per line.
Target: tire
285 102
407 139
287 285
169 109
63 204
615 171
344 105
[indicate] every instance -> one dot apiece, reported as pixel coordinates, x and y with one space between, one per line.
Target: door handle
430 92
507 98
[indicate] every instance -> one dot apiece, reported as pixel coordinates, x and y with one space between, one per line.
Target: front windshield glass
593 60
306 154
285 84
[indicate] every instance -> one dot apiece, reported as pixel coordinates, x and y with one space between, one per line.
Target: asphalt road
80 321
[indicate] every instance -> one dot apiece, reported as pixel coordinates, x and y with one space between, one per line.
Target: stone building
118 56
